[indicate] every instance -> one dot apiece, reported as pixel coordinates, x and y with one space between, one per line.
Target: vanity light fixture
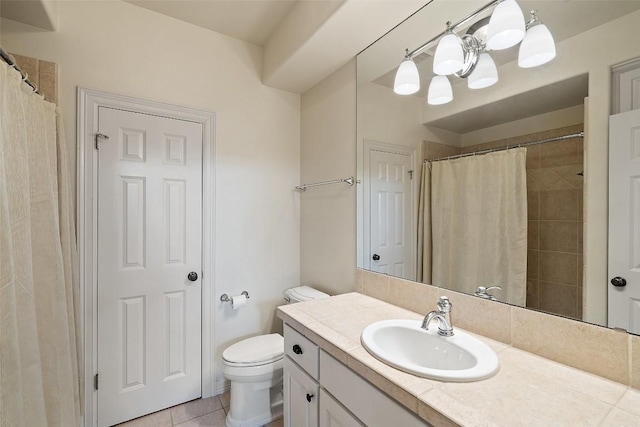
468 56
407 80
440 91
506 27
485 73
538 46
449 56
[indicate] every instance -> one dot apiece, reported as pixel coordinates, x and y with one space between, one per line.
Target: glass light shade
440 91
537 48
407 80
449 57
485 74
506 26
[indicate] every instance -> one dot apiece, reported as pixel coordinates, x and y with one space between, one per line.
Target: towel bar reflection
350 181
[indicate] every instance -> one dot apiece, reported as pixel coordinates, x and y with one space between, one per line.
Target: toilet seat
255 351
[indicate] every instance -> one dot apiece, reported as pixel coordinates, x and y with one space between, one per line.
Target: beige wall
328 213
116 47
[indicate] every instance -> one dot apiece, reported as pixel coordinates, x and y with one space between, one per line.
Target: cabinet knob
376 257
309 397
297 349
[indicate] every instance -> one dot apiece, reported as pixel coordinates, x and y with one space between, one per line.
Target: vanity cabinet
321 391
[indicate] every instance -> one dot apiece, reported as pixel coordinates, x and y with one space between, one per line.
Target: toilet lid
305 293
256 350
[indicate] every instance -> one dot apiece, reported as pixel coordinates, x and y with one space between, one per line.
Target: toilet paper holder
226 298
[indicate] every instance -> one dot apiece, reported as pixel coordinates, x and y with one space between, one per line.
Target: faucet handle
444 305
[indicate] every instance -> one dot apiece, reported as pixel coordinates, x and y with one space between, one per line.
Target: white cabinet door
300 397
149 240
332 414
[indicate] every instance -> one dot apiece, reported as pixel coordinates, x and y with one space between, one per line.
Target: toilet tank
303 293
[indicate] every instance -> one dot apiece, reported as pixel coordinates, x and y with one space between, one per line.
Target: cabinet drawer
301 350
365 401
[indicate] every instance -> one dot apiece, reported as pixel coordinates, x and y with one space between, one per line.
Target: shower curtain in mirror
473 224
39 377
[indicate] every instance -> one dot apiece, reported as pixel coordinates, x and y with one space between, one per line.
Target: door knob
619 281
376 257
193 276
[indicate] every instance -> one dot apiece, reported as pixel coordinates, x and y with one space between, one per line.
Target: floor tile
157 419
214 419
195 408
225 398
277 423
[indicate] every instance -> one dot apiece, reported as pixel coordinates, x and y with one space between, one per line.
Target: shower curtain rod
509 147
11 61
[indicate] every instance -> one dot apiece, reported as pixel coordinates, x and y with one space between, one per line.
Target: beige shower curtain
39 377
477 217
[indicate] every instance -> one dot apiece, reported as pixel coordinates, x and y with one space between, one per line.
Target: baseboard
222 387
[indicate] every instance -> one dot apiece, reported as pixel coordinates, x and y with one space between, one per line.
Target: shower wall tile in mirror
555 223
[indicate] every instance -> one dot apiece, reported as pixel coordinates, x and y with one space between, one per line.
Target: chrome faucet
443 314
483 292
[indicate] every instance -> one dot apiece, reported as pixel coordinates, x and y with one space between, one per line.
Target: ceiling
250 20
302 41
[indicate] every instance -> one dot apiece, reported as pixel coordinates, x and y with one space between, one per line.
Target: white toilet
254 367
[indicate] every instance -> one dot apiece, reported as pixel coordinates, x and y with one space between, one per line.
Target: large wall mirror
475 182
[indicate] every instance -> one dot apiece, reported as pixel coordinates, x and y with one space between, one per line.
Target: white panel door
149 240
624 221
630 90
391 205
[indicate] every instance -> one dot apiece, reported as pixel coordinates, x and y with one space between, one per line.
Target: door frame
88 102
369 146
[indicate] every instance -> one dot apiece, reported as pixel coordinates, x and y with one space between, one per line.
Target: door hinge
411 175
97 139
95 382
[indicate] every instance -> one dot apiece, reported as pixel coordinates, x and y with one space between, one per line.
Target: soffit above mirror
557 96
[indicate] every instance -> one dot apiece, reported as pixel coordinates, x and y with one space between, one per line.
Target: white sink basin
403 344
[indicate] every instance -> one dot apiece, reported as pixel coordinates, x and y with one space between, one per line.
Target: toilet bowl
254 367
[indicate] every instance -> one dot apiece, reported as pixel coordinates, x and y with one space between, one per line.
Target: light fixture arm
472 49
415 52
533 21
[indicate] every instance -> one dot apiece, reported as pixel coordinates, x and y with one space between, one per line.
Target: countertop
527 391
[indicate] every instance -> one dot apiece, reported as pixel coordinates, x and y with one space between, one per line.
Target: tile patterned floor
210 412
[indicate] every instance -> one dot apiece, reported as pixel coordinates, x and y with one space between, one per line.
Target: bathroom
302 125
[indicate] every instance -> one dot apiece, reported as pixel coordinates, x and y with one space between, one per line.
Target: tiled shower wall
43 74
554 196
